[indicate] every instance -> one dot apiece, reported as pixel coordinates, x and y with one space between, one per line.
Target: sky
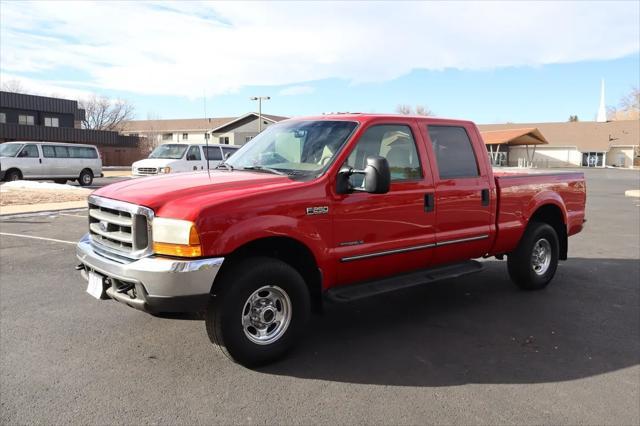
490 62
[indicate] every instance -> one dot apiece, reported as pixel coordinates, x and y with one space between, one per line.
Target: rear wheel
60 181
13 175
86 178
257 311
534 262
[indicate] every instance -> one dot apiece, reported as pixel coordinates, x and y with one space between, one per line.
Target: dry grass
14 196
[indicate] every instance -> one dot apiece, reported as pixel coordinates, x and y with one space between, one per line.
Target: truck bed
521 193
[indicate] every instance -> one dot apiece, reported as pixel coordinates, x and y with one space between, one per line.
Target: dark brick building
41 118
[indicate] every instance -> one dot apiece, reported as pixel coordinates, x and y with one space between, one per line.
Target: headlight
164 169
175 237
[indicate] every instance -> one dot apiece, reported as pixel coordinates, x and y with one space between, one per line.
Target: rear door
463 192
194 159
30 161
379 235
49 161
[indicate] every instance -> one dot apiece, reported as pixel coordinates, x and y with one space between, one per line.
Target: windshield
10 149
169 151
298 147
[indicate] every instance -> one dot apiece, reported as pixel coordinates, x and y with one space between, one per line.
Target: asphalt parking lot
471 351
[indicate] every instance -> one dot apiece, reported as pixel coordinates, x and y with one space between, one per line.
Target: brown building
42 118
569 144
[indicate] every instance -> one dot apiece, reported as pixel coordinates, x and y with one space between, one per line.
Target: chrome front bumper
153 284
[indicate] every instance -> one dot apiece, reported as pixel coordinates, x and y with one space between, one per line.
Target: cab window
393 142
193 154
29 151
454 152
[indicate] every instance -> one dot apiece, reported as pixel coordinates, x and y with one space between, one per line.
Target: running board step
385 285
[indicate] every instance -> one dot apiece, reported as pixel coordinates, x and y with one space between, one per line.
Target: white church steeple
602 111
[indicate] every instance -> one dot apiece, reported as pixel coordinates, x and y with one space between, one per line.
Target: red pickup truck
336 207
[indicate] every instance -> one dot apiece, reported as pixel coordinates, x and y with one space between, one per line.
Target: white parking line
38 238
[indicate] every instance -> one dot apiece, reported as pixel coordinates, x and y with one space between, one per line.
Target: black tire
60 181
86 177
522 263
13 175
228 304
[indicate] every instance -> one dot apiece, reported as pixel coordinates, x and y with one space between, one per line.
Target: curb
40 213
13 210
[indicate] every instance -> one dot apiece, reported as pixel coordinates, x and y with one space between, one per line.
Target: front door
30 161
464 194
377 235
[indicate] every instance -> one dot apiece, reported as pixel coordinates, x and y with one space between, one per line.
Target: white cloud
185 48
296 90
57 89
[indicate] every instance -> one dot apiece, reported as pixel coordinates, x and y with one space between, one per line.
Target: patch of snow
31 184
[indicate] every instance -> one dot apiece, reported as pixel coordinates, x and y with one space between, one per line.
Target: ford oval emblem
103 225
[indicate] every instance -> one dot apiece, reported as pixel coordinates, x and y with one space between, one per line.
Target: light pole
260 99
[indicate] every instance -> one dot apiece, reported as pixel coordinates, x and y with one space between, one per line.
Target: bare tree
405 109
423 110
573 118
628 107
103 113
14 86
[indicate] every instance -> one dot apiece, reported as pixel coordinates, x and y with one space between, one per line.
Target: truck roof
362 117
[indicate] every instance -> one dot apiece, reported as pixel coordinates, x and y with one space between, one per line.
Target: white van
56 161
177 158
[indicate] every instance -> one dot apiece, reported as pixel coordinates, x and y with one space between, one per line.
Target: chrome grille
119 228
147 170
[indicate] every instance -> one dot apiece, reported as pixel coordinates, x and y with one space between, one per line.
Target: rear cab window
213 153
454 153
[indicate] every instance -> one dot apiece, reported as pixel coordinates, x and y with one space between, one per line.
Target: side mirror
377 177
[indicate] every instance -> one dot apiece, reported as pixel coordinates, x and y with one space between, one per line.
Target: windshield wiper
266 169
226 166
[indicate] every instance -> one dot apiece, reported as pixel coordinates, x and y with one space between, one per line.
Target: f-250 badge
317 210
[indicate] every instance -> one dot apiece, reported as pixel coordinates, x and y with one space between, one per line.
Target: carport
495 139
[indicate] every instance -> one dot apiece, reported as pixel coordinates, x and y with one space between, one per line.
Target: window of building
454 152
194 154
224 140
185 136
247 138
391 141
51 122
167 136
207 135
27 120
29 151
3 117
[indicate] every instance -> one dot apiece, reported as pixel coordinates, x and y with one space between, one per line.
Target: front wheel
86 178
13 175
534 262
257 311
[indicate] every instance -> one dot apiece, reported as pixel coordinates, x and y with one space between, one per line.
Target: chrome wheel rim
266 315
85 178
541 256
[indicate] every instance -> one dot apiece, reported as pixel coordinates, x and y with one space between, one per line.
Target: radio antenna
206 132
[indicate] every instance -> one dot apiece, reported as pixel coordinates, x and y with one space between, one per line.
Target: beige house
569 144
221 130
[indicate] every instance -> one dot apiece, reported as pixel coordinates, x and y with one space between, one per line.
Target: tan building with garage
569 144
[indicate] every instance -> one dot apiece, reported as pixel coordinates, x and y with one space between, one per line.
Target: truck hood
181 195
